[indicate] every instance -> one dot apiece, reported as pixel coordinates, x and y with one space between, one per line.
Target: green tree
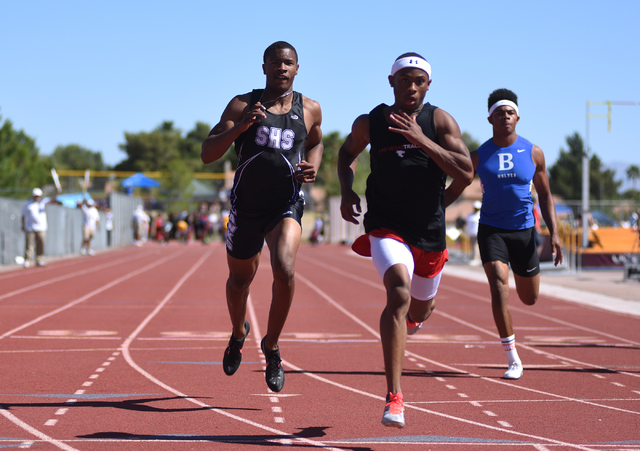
151 151
74 156
471 143
603 184
327 177
633 174
21 165
565 176
191 147
178 185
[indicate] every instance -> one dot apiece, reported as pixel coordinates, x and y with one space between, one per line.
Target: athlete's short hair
405 55
502 94
277 46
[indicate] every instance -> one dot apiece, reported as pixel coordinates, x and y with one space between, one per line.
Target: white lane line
486 300
489 413
545 317
440 414
448 367
42 436
66 276
537 351
13 418
90 295
521 401
374 333
57 265
127 356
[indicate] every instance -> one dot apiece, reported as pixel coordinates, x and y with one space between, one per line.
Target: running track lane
124 349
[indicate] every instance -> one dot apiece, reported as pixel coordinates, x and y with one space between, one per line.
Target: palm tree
633 173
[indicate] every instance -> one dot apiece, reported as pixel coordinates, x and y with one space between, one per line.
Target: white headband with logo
500 103
411 61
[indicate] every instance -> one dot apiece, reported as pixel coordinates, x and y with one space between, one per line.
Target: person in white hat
34 225
90 223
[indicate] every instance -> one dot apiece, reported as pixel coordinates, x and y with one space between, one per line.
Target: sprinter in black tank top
268 153
400 170
413 148
278 140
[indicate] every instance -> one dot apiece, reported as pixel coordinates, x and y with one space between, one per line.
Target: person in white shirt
140 222
90 223
34 224
472 232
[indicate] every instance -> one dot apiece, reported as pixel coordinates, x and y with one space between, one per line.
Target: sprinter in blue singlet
508 165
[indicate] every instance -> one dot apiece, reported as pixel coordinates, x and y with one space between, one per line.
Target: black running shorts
514 247
246 232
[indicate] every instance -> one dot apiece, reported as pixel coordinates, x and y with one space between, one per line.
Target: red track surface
124 350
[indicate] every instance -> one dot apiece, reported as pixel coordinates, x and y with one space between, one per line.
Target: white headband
411 61
500 103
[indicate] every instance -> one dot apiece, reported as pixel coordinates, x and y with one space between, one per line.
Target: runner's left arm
547 204
308 168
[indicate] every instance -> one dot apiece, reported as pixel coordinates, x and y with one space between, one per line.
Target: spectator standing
140 223
90 223
471 229
109 225
34 225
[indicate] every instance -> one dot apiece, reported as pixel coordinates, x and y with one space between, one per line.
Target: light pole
585 170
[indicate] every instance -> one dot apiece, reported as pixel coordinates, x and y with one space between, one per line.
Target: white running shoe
394 411
412 327
515 371
83 251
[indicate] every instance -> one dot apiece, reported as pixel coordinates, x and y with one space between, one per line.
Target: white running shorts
387 252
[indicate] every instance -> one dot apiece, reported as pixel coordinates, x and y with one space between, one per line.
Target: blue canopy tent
138 180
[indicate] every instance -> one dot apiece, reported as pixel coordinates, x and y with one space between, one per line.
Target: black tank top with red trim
405 190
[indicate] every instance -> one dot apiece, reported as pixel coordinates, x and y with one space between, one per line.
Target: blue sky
77 72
